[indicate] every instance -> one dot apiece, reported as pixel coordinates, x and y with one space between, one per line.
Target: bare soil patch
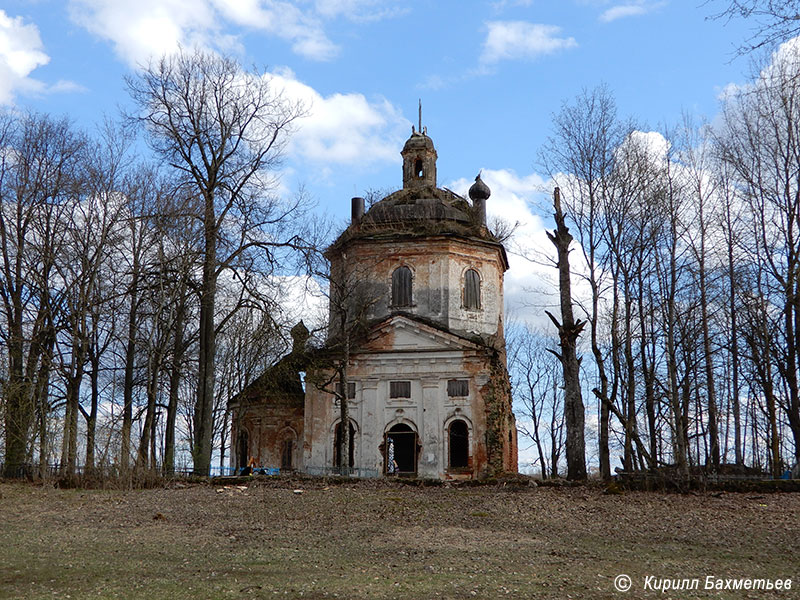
384 540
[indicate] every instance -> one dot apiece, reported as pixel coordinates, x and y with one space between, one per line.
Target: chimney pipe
357 210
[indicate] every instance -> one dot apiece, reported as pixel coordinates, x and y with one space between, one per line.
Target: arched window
459 445
401 287
472 290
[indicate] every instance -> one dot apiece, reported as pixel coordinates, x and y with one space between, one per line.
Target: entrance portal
401 442
244 449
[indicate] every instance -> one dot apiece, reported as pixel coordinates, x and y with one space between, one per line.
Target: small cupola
419 158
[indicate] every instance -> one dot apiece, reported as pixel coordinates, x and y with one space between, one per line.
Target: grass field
387 540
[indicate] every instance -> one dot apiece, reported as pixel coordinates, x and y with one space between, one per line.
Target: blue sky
490 75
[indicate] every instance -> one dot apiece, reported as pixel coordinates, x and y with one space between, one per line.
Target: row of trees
128 289
688 258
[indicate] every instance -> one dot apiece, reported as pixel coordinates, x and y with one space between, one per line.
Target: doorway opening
351 455
459 445
243 453
401 455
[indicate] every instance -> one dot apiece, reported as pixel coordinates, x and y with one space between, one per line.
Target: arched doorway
401 450
288 445
243 449
336 436
458 443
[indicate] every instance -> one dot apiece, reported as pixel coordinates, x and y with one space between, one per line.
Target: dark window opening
401 450
244 448
351 390
287 449
472 290
418 169
459 445
457 387
399 389
401 287
336 437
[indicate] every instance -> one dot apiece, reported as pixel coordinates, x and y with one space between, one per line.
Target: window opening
399 389
401 448
459 445
418 169
351 389
401 287
457 387
472 290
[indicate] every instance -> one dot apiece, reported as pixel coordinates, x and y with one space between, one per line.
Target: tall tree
223 130
760 139
569 329
580 157
38 171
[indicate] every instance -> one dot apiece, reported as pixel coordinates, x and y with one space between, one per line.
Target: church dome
479 190
418 141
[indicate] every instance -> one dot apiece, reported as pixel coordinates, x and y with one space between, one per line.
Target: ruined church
416 323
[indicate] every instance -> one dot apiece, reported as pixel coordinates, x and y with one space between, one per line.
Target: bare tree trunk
178 350
568 331
204 408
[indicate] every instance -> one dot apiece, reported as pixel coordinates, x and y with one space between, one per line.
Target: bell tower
419 158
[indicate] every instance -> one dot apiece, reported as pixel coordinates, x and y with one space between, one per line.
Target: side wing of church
416 324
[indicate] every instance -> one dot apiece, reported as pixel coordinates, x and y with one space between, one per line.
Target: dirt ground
386 540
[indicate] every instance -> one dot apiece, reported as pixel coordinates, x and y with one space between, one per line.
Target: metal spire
420 115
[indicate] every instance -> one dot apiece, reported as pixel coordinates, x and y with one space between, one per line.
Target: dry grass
383 540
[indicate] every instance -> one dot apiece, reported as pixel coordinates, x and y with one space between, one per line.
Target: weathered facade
417 327
269 415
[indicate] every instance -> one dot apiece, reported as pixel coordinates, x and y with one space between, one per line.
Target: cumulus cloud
631 9
145 29
342 128
21 52
148 28
513 40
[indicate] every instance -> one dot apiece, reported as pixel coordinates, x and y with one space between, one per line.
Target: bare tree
39 162
775 21
580 157
760 140
569 329
223 130
537 386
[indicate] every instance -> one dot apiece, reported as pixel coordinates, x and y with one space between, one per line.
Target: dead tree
569 329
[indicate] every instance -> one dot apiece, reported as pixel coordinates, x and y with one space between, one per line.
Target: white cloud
343 128
145 29
284 20
359 10
631 9
21 52
510 40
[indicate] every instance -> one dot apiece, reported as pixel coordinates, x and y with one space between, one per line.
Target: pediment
404 334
